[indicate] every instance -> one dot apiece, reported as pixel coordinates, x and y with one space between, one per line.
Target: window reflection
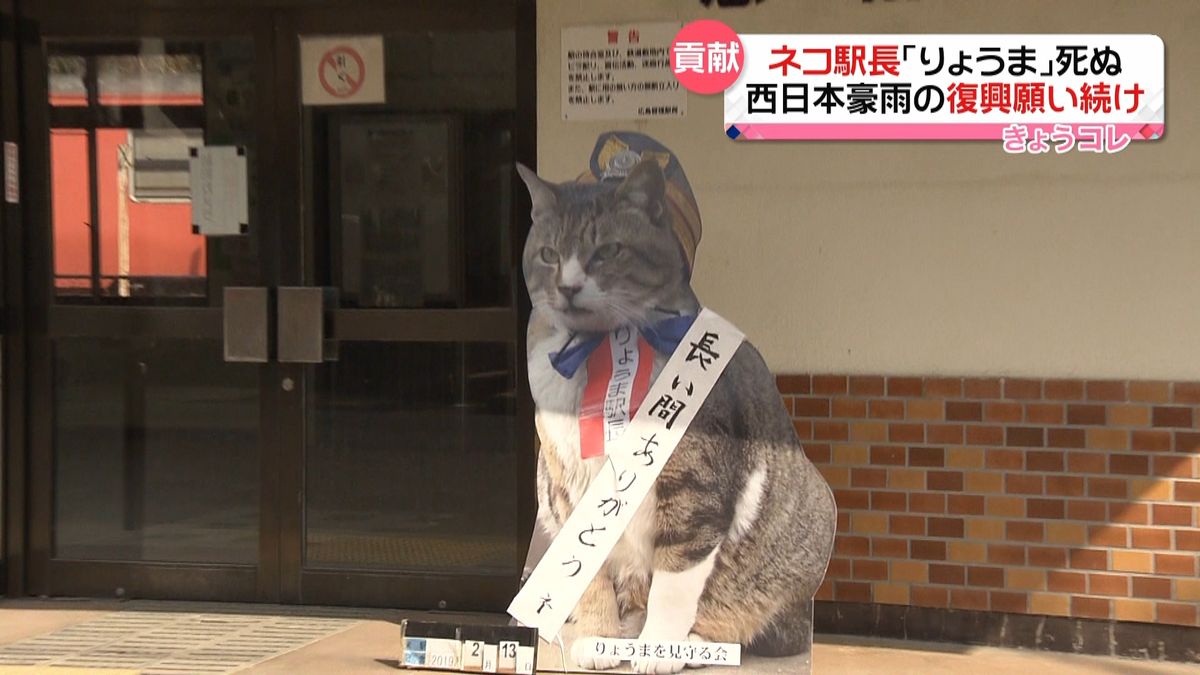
411 459
150 79
121 127
421 213
67 86
155 452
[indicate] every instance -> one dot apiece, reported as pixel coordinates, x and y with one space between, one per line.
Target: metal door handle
301 315
245 324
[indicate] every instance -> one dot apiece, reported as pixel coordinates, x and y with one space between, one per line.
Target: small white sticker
472 655
508 657
12 174
490 655
443 653
217 182
525 658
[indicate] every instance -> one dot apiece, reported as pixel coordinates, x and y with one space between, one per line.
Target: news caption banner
608 505
1036 93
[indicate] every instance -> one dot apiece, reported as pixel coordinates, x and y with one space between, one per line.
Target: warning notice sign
342 70
620 72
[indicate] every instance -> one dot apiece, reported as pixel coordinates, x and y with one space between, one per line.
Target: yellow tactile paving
54 670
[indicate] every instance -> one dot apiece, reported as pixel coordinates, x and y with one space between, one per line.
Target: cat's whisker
618 303
627 314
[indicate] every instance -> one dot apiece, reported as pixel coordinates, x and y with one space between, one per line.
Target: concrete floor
371 647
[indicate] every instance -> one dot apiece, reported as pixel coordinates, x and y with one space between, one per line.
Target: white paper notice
634 463
220 203
620 72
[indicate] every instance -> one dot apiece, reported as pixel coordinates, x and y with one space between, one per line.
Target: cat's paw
633 623
584 655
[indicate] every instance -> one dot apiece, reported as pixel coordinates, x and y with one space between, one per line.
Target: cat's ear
645 187
542 193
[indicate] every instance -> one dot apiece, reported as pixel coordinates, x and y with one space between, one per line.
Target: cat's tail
788 634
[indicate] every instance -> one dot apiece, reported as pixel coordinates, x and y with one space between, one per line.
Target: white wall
933 257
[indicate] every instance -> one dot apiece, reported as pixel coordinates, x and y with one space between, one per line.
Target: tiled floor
171 643
330 640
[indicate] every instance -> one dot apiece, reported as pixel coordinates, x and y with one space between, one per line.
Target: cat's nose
569 292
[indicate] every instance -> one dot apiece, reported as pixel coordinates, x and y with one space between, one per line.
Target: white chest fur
558 399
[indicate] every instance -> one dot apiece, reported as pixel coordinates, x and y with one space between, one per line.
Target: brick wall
1076 498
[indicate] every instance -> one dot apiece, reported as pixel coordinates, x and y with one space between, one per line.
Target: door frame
12 334
49 320
286 248
298 266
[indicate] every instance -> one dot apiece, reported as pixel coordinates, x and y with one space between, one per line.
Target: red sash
618 378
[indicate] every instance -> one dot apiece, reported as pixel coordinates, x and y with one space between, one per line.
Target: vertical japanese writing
638 453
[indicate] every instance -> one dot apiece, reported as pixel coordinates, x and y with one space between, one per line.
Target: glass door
151 462
415 456
327 405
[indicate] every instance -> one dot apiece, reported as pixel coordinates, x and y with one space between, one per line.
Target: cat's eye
548 255
607 251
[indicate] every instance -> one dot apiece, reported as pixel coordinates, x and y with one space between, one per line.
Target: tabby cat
733 541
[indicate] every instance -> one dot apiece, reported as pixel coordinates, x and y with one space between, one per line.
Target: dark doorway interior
379 449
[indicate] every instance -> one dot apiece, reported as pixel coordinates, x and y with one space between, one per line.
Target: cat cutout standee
727 542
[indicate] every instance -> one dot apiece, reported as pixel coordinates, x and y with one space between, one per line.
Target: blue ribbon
663 336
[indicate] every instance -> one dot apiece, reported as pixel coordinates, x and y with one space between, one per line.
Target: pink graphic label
707 57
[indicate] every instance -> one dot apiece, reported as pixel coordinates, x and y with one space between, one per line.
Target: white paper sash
633 464
696 653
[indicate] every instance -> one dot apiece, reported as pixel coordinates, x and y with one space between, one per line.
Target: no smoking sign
342 70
